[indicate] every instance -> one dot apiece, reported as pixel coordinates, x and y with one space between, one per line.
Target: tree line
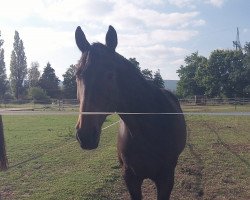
29 83
225 73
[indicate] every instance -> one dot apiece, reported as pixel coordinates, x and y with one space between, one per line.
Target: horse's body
148 145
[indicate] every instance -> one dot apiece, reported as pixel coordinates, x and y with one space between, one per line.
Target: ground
45 161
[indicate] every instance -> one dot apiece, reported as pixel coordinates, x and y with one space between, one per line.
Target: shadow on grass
25 161
40 155
227 146
199 166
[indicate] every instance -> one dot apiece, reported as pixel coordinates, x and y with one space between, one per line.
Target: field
47 163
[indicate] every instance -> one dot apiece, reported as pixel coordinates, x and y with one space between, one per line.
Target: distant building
171 85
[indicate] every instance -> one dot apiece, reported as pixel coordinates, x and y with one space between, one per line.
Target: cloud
183 3
145 30
155 57
172 35
79 10
42 44
19 10
216 3
193 3
245 30
147 17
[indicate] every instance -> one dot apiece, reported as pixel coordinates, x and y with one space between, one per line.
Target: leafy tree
33 74
158 81
246 67
50 82
38 94
191 81
18 66
3 76
135 63
225 73
148 74
69 82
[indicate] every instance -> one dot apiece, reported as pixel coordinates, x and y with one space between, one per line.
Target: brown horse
148 145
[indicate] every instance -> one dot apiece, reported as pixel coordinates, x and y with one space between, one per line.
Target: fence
73 104
54 104
215 101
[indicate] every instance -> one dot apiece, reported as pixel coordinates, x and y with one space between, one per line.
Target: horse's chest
142 157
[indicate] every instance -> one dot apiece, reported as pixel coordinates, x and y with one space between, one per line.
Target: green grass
46 162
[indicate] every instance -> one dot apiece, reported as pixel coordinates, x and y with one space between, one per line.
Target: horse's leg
164 184
133 184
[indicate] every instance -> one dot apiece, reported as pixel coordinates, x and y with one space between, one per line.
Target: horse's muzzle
87 142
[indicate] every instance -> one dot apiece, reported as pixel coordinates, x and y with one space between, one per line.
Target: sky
158 33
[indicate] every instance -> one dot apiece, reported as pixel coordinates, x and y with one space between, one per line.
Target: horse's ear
111 38
81 40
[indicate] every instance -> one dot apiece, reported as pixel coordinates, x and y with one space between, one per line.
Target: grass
47 163
216 161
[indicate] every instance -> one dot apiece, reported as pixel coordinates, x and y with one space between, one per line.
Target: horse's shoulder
168 94
172 99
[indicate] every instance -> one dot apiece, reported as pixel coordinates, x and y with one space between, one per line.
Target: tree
191 76
3 76
148 74
246 74
50 82
38 94
18 66
225 74
158 81
135 63
33 74
69 82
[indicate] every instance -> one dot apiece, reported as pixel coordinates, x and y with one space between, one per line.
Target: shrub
38 95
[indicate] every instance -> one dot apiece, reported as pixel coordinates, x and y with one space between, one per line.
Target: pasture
47 163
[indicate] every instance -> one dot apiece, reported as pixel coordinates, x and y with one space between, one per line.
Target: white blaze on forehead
80 96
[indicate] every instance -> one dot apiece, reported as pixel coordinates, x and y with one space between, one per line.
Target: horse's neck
138 96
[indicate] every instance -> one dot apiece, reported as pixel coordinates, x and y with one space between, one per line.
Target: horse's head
96 85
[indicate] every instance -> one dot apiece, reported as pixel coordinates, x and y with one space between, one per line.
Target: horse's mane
99 48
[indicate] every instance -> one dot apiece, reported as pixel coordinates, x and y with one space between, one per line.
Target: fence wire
15 112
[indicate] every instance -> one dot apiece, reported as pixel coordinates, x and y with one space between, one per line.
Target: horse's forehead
97 54
100 50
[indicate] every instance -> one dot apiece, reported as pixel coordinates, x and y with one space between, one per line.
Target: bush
8 96
38 94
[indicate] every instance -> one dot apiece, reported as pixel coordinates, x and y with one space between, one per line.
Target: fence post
3 157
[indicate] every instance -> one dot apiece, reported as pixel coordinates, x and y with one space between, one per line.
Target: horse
3 156
149 144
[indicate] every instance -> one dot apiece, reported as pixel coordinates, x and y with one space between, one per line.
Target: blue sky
158 33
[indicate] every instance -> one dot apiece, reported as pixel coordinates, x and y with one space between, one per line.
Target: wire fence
73 104
203 100
68 108
55 104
